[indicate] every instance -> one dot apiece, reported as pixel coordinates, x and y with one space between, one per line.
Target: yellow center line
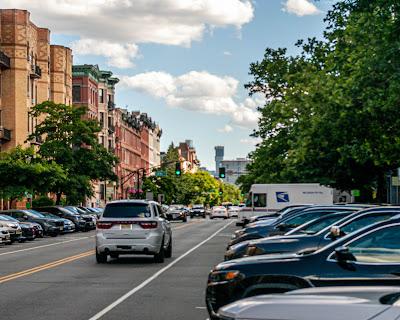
46 266
186 225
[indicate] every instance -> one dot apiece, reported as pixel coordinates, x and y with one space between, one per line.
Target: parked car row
27 224
307 247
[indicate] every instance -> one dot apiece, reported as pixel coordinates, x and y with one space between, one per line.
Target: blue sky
187 72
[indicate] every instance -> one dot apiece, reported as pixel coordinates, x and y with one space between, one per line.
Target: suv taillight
148 225
103 225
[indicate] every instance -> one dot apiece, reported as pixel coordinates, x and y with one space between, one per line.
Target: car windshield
198 206
35 213
8 218
319 225
127 210
50 215
176 207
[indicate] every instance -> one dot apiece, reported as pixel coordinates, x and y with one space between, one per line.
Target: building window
102 119
76 93
101 95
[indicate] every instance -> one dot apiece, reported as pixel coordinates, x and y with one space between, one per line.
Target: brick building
128 149
32 71
188 156
95 89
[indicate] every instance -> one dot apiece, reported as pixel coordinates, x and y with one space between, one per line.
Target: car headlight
254 251
223 276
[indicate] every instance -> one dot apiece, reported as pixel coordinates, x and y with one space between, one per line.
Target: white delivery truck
268 198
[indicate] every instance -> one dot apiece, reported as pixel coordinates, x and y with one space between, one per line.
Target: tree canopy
332 114
71 141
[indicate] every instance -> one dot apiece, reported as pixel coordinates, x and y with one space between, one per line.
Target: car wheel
168 252
159 257
54 234
101 257
114 255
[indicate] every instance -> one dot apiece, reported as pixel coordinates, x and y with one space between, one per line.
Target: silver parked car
4 236
133 227
13 228
330 303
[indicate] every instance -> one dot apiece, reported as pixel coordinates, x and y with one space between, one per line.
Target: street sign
355 193
149 195
161 173
395 181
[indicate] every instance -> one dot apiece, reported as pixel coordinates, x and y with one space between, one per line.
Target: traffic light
178 170
222 173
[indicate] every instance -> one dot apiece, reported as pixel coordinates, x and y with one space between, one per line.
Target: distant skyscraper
219 156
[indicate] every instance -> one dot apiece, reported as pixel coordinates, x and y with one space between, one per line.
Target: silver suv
133 227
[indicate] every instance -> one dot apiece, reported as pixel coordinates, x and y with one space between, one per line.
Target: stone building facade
27 76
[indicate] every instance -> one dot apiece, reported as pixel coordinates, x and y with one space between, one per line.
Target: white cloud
198 91
120 56
226 129
251 141
227 53
301 7
122 22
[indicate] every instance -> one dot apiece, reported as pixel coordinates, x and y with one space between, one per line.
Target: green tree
333 112
22 171
71 141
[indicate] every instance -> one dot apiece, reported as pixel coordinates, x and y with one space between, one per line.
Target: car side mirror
343 255
335 233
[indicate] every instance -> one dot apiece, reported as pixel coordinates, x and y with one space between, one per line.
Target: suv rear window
127 210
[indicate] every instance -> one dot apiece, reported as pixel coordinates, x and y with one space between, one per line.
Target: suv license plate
126 226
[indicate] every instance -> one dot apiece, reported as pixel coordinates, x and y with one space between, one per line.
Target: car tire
168 251
101 257
114 255
159 257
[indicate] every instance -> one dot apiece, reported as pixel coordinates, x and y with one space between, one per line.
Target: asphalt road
58 278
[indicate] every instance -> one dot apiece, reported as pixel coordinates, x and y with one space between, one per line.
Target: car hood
279 239
308 307
261 223
273 258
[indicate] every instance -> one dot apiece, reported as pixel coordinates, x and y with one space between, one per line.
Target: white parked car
219 212
233 211
4 236
133 227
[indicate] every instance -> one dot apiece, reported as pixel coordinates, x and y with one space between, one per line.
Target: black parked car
370 256
198 210
177 212
88 216
50 226
69 226
80 223
312 235
289 222
277 214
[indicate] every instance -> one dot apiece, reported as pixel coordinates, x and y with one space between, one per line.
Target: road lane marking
186 225
154 276
45 245
43 267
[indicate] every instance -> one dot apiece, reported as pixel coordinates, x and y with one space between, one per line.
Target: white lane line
154 276
44 246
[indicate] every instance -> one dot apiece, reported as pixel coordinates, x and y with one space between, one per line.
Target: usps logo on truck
282 197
